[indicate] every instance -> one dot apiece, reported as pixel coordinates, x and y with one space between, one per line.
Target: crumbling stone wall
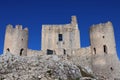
64 40
80 56
61 36
31 52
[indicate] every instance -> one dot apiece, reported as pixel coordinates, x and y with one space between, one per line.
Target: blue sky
34 13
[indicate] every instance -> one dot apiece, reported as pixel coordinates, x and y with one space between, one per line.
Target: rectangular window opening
60 37
105 48
49 52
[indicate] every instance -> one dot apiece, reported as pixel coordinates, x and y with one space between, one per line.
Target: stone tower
65 36
104 59
16 40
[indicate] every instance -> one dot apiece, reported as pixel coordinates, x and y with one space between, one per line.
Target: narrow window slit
103 36
105 49
21 52
111 68
64 52
94 50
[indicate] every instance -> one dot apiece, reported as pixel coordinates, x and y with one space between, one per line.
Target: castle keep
61 37
64 39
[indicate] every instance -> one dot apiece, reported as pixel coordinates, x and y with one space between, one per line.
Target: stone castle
64 39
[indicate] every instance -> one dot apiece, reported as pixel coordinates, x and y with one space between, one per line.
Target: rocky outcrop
47 67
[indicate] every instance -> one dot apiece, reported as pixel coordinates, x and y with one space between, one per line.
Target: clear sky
34 13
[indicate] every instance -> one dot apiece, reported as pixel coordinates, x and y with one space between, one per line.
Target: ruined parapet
81 56
74 22
102 38
16 40
64 36
103 50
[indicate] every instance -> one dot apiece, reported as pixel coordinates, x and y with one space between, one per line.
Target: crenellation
109 23
9 29
16 40
18 27
26 29
9 26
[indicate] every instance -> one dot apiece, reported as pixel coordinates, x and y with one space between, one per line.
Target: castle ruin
65 40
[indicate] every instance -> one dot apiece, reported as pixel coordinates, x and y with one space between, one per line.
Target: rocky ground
47 67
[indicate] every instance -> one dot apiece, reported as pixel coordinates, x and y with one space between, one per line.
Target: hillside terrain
45 67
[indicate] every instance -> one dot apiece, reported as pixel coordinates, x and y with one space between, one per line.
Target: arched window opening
94 50
103 36
105 48
8 49
111 68
21 52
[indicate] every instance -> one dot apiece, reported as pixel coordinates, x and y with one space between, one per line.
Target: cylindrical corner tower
16 40
102 39
103 48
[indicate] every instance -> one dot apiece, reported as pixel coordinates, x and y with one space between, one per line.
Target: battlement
9 26
26 29
17 27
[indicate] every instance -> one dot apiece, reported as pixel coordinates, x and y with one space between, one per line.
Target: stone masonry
64 39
